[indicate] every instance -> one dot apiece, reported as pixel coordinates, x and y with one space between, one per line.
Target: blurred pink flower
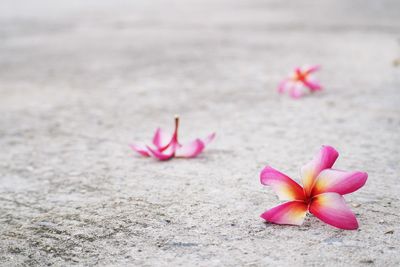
167 146
300 82
320 195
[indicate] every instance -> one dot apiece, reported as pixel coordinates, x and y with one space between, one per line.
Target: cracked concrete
81 80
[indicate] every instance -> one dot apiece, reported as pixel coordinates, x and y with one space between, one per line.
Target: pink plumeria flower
167 146
320 195
300 82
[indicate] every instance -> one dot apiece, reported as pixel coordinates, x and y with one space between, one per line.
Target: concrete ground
79 80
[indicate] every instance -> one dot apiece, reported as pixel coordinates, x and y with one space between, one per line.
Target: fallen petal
282 86
190 150
325 159
332 209
165 155
292 212
142 150
312 85
297 90
209 139
284 186
340 182
161 138
312 69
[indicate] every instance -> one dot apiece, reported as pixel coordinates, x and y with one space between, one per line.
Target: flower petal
161 138
142 150
311 69
312 85
283 85
209 139
284 186
165 155
297 90
292 212
325 159
332 209
190 150
340 182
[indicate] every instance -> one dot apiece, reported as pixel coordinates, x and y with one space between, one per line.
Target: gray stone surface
79 80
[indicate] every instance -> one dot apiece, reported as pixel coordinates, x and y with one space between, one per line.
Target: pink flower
167 146
320 195
300 82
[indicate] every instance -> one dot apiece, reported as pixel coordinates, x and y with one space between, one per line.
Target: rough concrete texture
79 80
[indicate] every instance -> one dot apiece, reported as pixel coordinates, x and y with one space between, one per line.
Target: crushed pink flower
300 82
321 194
166 146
